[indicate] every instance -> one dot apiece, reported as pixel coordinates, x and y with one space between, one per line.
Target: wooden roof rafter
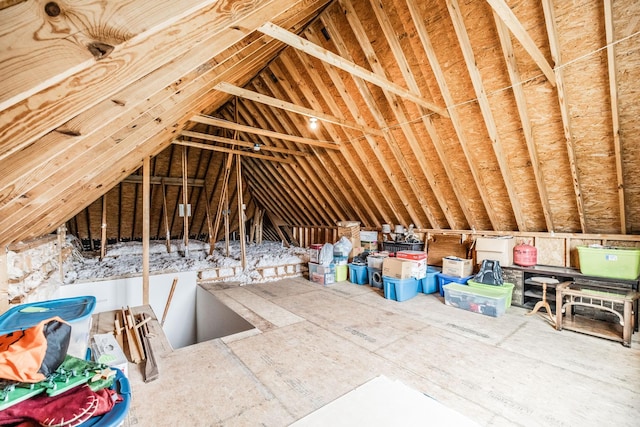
333 193
369 218
485 108
521 102
615 116
427 170
403 193
554 46
456 122
306 176
284 174
325 55
506 15
398 113
379 174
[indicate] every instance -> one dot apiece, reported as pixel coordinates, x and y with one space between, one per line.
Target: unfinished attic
329 212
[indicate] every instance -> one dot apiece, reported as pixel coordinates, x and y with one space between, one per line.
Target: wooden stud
146 211
230 151
239 143
241 215
103 227
185 201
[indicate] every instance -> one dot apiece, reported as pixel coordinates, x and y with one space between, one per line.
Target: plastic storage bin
375 277
358 274
430 282
116 415
76 311
616 263
400 289
507 288
443 279
478 300
341 273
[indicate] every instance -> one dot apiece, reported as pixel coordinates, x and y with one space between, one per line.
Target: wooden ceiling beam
285 105
222 140
509 19
487 114
167 180
226 124
615 116
329 57
229 150
554 46
527 129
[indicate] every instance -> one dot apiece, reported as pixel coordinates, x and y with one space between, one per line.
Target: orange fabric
22 353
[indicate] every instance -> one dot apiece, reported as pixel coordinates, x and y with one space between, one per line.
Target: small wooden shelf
589 326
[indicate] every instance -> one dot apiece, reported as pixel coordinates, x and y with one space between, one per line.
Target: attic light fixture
313 123
256 147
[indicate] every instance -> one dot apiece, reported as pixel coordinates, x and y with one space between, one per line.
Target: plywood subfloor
316 344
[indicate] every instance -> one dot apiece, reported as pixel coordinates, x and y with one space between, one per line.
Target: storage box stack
369 240
495 248
322 274
350 230
402 275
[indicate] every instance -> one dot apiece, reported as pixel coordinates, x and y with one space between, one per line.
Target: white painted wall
180 324
214 319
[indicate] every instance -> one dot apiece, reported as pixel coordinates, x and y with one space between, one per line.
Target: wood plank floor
314 344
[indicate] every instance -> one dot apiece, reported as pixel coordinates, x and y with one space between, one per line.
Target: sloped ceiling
449 114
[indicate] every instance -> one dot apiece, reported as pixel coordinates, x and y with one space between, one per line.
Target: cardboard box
105 349
413 255
456 267
368 236
495 248
397 268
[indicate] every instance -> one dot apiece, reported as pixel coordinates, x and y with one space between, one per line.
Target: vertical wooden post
166 217
146 209
62 236
227 212
185 201
241 229
4 281
208 212
103 226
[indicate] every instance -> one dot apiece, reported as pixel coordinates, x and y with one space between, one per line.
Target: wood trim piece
241 216
615 118
329 57
185 200
506 15
285 105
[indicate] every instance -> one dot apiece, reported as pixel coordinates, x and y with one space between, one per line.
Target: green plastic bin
608 261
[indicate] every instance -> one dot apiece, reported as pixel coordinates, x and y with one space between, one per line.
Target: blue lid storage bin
76 311
116 415
443 279
430 281
400 289
358 274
